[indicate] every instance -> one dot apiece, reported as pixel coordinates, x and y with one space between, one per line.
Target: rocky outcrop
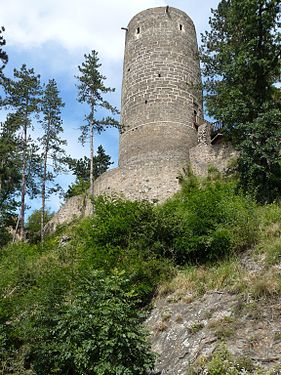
181 332
186 329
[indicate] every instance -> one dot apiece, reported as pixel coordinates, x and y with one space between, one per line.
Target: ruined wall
204 156
154 182
75 207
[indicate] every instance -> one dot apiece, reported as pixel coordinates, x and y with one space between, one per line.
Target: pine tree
91 88
81 170
22 96
51 143
3 54
9 177
241 58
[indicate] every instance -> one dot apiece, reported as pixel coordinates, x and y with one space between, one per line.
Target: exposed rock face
183 331
185 328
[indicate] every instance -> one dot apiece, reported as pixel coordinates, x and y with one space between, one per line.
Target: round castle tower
161 89
161 113
161 102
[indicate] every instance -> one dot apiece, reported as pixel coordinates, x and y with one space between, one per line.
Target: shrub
224 363
211 221
128 236
96 331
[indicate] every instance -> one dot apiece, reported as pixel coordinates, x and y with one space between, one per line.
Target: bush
96 331
127 236
224 363
211 221
73 308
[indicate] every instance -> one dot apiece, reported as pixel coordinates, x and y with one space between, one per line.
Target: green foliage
79 187
33 225
259 162
224 363
74 308
22 98
128 236
270 237
9 177
3 54
210 221
241 58
97 332
81 169
53 153
67 318
91 89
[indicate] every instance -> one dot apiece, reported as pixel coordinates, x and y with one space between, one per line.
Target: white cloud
75 25
84 24
70 28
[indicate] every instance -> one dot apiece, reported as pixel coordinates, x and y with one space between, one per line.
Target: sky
52 37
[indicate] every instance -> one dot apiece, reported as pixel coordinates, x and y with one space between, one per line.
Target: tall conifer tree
91 89
22 96
51 143
241 58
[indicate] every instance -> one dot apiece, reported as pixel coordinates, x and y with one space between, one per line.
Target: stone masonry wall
75 207
204 156
154 182
160 91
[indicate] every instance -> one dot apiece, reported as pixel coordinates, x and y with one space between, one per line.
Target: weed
195 327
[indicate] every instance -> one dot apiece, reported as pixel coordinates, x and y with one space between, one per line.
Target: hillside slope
188 326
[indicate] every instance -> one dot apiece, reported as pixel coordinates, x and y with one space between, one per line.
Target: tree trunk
44 177
23 183
92 152
43 196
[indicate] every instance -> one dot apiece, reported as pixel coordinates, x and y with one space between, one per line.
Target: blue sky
52 37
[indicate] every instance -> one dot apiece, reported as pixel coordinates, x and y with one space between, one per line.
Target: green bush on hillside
57 316
74 307
128 236
212 221
97 331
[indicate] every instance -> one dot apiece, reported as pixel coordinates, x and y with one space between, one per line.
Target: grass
269 245
230 275
194 281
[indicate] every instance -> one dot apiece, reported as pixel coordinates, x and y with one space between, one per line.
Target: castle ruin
161 109
163 130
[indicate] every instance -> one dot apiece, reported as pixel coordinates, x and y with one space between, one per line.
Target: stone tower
161 103
161 112
160 93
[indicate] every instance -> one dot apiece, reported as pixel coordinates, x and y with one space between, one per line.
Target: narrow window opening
138 30
145 102
159 75
180 27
